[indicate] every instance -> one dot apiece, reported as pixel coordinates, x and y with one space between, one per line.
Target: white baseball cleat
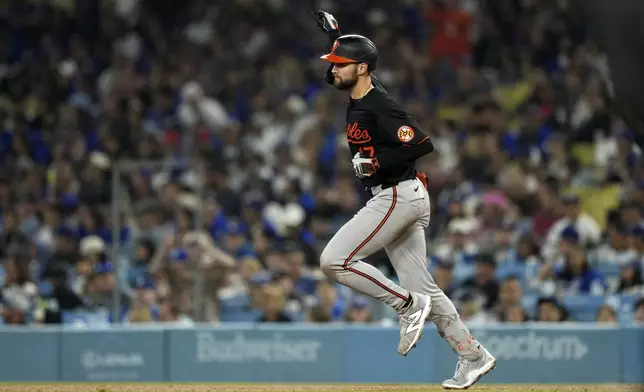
468 373
412 322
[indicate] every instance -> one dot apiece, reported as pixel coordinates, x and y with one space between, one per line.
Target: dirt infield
161 387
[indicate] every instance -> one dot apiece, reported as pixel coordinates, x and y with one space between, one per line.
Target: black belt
383 186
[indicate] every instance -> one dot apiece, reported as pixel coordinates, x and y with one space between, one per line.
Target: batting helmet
353 48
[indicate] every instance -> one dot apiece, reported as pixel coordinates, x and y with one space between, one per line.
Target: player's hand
364 167
327 23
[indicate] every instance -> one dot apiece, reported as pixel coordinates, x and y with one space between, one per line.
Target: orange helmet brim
332 58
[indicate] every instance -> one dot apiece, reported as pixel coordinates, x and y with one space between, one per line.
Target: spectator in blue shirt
235 241
359 310
576 276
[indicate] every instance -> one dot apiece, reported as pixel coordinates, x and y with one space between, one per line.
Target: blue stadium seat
298 317
86 319
608 269
583 307
3 275
584 316
240 316
235 303
625 318
462 272
529 303
627 302
505 270
45 288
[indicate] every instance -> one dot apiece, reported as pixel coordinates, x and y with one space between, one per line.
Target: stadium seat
462 272
233 304
529 303
583 307
608 269
503 271
584 316
298 317
240 316
627 302
45 288
85 319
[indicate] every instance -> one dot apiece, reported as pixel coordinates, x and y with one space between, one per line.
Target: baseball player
385 142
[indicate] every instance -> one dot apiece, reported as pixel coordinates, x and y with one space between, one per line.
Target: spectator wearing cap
359 311
576 276
179 271
616 248
99 291
91 251
235 241
95 188
459 246
484 283
144 307
584 224
197 108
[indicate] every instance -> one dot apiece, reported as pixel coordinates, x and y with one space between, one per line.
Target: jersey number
367 150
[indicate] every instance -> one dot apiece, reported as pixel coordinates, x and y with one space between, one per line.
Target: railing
331 353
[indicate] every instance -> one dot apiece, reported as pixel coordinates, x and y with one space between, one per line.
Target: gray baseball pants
395 219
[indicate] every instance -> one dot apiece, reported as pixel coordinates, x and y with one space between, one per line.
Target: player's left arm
398 127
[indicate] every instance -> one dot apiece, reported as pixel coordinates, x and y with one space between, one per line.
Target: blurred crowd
237 165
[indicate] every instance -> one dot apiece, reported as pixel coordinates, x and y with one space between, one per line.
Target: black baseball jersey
377 127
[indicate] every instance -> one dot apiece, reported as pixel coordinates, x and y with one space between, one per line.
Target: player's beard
345 84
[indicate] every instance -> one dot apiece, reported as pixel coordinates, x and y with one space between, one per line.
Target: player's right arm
327 23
